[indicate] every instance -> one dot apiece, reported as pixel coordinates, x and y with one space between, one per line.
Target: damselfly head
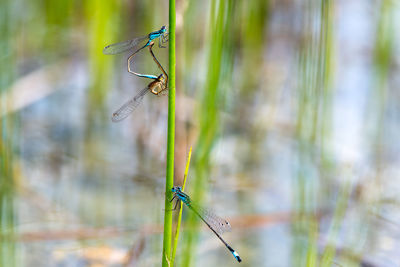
163 29
161 78
176 189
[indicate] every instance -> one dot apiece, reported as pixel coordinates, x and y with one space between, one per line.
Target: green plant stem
171 140
178 225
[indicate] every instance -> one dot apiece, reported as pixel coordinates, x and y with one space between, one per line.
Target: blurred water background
292 109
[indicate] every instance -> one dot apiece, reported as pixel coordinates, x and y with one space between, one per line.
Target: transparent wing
123 46
129 106
217 223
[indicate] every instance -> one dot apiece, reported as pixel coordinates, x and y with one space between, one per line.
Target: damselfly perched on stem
131 44
158 85
215 223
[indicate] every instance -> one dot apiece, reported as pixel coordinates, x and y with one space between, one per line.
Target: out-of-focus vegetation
291 108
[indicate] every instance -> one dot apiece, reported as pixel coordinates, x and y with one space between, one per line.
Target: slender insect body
134 43
216 224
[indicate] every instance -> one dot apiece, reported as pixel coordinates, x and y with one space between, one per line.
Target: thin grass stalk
9 127
213 100
329 253
178 225
311 53
170 141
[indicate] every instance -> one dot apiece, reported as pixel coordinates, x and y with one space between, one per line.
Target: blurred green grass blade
312 248
383 57
313 127
9 134
328 255
101 23
220 59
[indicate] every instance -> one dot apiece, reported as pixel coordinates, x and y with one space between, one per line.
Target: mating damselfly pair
215 223
159 83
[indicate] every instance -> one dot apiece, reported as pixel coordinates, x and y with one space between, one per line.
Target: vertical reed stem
171 140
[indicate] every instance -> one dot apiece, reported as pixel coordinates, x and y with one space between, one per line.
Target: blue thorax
156 34
177 190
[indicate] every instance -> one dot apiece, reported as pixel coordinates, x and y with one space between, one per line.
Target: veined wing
129 106
123 46
217 223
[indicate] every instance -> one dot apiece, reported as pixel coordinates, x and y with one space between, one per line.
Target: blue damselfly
215 223
130 44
